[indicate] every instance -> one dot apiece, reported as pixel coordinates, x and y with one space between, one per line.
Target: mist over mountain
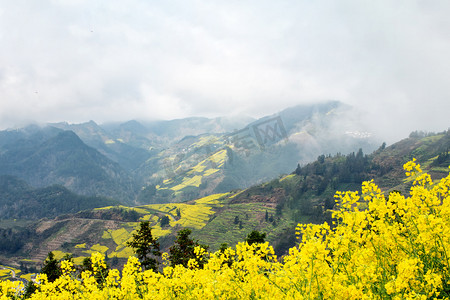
178 160
43 159
198 165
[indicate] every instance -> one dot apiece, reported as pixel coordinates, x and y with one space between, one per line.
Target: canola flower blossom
381 247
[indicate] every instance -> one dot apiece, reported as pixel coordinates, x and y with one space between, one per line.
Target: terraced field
195 171
195 215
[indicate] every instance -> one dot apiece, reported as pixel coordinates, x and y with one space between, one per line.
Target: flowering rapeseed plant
396 247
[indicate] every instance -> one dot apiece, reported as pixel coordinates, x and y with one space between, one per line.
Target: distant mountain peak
133 125
67 137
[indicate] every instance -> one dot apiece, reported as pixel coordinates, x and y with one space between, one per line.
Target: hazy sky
75 60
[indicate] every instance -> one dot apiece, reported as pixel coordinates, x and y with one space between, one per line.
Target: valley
221 185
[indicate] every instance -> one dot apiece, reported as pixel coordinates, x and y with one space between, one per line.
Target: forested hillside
18 200
62 158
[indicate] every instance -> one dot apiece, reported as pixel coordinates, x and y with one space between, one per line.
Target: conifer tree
183 249
146 246
255 237
51 268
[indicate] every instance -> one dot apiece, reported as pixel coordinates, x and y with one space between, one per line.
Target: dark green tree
183 249
30 288
255 237
164 221
146 247
51 267
223 247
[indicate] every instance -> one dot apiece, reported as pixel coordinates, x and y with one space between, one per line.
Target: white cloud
115 60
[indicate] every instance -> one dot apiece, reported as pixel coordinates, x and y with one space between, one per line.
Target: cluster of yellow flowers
381 247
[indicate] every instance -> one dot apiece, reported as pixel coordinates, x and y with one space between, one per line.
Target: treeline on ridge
18 200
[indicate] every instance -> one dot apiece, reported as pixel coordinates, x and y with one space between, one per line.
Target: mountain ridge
64 159
175 160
